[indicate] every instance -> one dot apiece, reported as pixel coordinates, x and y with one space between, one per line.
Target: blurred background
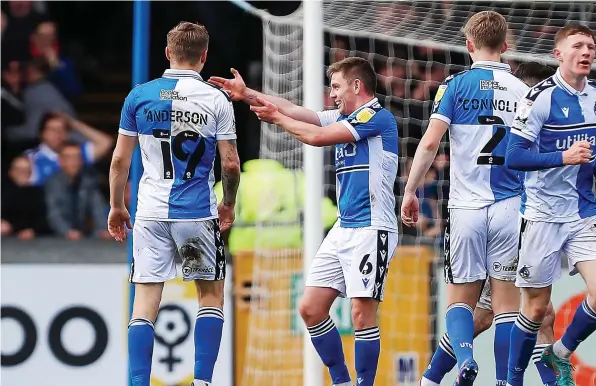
66 69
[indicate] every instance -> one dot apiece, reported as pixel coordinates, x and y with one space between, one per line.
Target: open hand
266 112
235 87
118 221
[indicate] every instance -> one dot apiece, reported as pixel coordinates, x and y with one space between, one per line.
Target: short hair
487 29
187 42
573 29
356 68
70 143
46 118
533 72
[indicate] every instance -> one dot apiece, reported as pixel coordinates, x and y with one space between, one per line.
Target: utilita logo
566 143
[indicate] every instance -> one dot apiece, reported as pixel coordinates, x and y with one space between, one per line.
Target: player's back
178 119
559 117
480 105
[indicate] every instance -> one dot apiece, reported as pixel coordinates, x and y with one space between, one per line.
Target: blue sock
580 328
460 327
523 340
547 375
208 329
367 349
140 350
442 361
503 324
325 337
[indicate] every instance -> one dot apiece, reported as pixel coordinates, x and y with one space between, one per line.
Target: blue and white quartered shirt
178 118
553 115
479 106
366 168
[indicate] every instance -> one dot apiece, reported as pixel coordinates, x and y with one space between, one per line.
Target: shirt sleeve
226 123
327 117
444 102
530 116
128 122
367 123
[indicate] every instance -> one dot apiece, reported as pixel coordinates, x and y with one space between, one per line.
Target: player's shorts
482 241
485 301
354 261
543 244
198 243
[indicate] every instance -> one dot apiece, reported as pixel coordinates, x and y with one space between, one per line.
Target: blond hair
187 42
487 29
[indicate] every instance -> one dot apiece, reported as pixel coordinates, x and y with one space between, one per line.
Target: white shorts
482 241
354 261
198 243
485 301
542 245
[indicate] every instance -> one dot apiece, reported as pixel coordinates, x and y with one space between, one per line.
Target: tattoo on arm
230 177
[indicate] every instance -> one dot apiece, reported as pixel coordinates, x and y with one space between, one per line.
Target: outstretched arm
240 93
308 133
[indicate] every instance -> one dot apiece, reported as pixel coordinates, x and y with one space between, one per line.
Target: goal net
414 46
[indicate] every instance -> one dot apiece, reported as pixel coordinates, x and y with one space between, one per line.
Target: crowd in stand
49 185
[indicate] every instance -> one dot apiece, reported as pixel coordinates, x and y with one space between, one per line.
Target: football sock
523 340
460 327
441 363
327 341
208 330
367 348
503 324
140 350
547 375
580 328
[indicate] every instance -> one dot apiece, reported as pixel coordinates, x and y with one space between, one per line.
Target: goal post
313 164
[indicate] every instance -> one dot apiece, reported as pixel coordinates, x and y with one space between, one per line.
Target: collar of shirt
367 104
176 73
490 65
45 150
565 86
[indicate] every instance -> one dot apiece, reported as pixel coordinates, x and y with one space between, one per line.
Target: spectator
21 22
45 45
12 107
54 135
75 205
23 210
39 97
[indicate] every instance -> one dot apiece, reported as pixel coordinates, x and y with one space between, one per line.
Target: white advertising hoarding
66 324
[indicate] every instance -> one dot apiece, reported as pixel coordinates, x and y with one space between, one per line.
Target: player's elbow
316 140
119 163
231 165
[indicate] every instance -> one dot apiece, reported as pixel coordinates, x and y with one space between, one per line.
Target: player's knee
311 312
364 313
535 312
